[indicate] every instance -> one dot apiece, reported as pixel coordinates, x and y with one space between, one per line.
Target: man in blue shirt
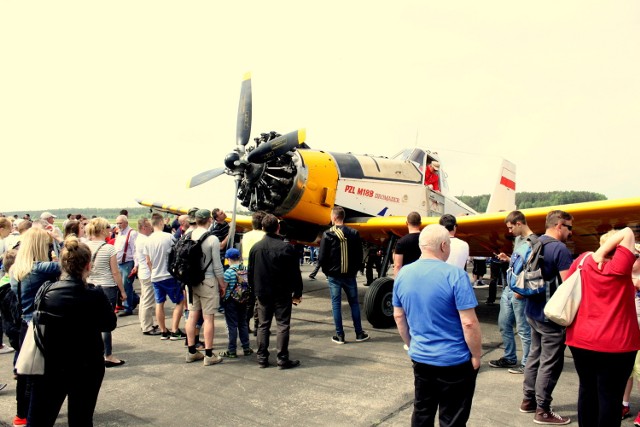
434 308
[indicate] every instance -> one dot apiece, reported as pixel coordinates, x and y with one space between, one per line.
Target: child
235 312
9 310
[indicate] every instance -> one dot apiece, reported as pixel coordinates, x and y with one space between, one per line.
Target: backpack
185 260
524 275
241 292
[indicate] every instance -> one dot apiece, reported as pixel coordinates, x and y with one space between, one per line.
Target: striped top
101 268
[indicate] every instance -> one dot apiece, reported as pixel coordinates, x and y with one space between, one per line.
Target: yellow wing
487 233
243 222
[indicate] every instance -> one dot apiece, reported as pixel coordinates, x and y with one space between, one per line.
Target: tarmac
356 384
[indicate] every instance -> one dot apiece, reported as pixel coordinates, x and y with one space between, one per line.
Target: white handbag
563 305
30 359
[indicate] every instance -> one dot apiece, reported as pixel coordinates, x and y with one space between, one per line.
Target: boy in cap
235 305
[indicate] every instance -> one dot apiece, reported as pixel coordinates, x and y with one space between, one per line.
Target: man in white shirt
141 268
459 248
156 251
125 245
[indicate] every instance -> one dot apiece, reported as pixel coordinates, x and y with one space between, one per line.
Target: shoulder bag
563 306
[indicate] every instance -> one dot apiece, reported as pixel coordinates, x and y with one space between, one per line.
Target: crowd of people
88 271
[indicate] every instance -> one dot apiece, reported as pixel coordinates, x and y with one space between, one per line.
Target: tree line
525 200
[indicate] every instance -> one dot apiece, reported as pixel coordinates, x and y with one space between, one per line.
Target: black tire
378 305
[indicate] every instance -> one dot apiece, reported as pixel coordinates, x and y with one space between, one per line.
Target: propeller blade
243 128
205 176
232 226
277 146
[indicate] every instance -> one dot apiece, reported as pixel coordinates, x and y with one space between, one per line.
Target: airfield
355 384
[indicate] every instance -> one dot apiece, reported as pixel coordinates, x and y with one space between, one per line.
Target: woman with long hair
604 336
31 269
104 274
70 308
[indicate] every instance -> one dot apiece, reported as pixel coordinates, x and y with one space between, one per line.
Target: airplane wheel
377 303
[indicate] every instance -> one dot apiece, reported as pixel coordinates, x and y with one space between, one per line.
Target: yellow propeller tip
302 136
247 76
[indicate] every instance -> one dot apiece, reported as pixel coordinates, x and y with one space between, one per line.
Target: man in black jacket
340 258
274 271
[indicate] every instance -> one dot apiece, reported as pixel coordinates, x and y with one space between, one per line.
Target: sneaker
229 354
194 357
17 421
528 406
481 285
550 418
362 336
247 351
517 370
487 302
6 349
288 364
152 332
199 346
312 277
625 411
502 363
177 335
636 422
213 360
264 364
338 339
165 335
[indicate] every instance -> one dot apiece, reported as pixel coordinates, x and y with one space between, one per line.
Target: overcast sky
103 102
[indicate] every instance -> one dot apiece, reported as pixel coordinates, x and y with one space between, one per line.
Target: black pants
447 388
48 392
603 377
23 384
267 308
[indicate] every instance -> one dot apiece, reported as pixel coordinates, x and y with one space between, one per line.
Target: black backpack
185 260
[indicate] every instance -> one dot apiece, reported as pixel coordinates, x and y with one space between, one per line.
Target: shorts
206 296
168 287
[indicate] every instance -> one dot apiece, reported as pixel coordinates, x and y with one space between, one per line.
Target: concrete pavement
356 384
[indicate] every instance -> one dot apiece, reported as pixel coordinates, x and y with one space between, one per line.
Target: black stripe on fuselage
348 165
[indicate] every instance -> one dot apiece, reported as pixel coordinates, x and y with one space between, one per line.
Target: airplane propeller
259 172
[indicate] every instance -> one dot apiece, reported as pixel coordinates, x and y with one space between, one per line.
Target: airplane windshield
415 155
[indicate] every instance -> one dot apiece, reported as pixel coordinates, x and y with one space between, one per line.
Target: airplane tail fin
503 198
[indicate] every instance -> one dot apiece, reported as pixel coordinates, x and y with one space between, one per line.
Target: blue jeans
132 298
336 285
512 315
235 314
112 295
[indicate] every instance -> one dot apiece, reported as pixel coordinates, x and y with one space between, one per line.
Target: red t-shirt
607 320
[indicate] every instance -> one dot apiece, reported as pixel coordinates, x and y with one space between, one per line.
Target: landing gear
378 306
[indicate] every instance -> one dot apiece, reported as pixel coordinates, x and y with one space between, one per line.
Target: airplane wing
487 233
243 222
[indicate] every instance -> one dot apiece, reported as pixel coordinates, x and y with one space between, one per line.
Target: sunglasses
569 227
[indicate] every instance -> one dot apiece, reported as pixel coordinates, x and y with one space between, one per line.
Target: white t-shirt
101 273
459 253
141 259
157 248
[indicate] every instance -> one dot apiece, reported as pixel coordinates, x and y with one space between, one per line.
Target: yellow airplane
281 174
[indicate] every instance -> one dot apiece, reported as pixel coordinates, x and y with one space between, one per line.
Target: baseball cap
47 215
192 215
203 214
232 253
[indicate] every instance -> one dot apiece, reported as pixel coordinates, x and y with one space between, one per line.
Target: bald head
435 242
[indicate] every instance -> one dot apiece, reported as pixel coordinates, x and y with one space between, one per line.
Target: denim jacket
40 273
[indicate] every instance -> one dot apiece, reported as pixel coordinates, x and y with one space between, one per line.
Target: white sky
103 102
